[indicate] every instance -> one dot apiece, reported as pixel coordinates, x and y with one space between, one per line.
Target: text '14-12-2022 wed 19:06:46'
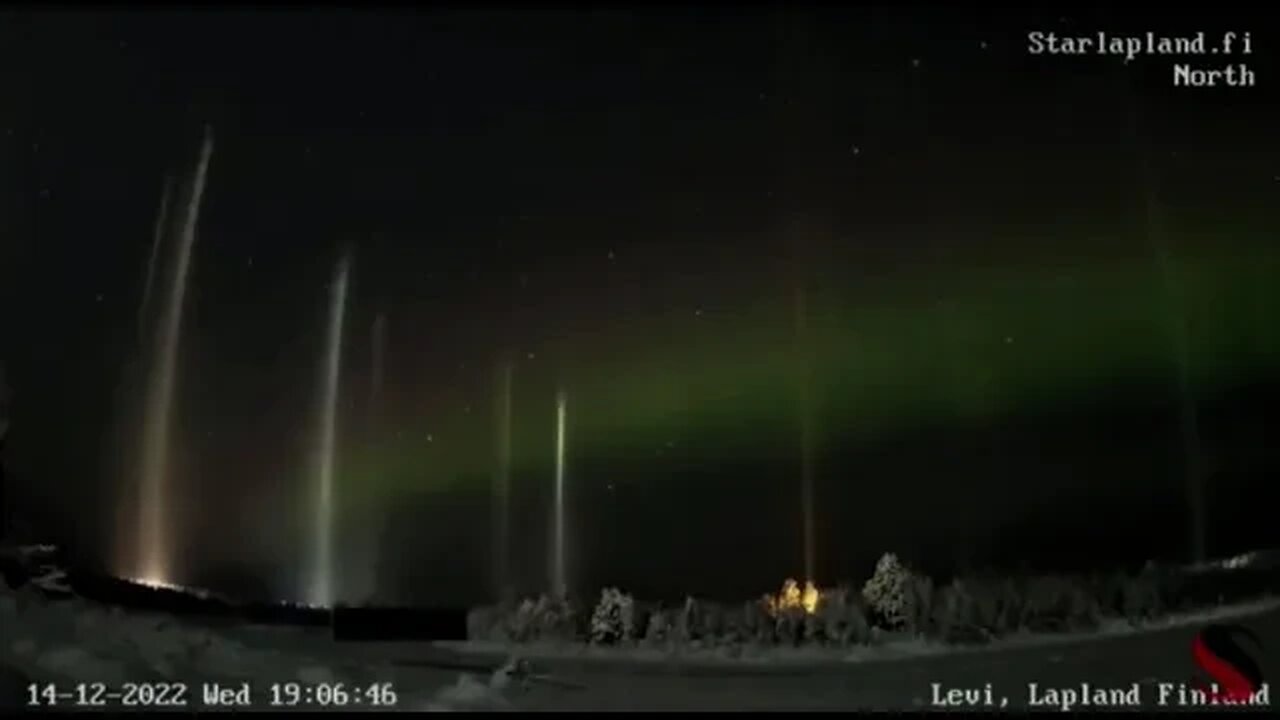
179 695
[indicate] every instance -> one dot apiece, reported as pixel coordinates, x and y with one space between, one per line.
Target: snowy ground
74 640
900 677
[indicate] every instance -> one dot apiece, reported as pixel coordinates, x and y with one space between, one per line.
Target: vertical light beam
321 592
1188 407
559 581
502 480
156 486
806 440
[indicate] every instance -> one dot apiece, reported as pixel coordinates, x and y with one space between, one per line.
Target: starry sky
1014 270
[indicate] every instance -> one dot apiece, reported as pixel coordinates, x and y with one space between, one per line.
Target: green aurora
908 349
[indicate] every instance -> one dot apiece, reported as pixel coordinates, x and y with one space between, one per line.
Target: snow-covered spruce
531 620
688 620
613 620
889 593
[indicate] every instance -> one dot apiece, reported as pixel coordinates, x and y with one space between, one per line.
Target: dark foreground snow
76 641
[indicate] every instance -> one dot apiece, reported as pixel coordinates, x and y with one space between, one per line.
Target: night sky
1000 279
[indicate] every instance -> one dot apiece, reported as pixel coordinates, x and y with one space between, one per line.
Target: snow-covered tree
613 619
889 594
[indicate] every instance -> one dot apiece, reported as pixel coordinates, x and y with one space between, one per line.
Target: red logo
1234 676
